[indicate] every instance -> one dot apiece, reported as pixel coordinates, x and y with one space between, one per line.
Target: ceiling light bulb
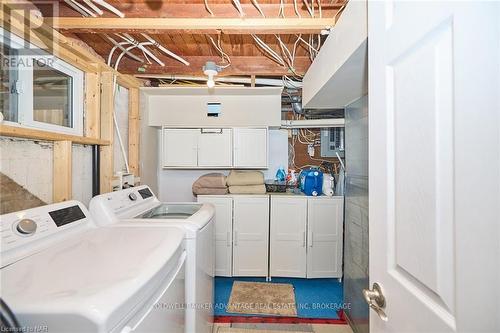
210 81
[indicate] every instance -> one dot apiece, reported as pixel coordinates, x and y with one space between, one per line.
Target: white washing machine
138 206
61 273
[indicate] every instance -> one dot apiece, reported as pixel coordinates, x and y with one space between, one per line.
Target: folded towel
211 180
247 189
237 178
210 191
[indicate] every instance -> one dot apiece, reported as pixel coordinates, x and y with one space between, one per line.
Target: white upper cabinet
288 236
180 147
250 147
251 235
214 148
325 237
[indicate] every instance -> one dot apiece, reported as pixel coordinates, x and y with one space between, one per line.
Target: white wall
175 185
149 148
121 113
82 173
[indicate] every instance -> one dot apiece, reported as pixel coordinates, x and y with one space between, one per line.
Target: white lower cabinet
306 236
250 235
288 236
223 233
242 234
278 235
325 218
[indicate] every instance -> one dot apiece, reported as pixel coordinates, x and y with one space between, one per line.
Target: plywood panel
107 109
92 105
133 130
62 171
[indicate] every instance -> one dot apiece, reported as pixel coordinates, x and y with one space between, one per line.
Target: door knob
376 300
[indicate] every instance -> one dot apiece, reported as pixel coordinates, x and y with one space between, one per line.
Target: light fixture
211 69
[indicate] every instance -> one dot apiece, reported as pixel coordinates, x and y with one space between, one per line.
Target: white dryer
138 206
61 273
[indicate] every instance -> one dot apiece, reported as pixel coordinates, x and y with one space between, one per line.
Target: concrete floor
276 328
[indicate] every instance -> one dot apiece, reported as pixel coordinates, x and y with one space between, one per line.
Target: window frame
25 96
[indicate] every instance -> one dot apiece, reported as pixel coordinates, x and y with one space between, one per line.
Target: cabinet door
251 232
325 218
250 147
223 233
288 236
215 148
180 147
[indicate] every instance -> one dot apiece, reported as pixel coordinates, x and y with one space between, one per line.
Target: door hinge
17 87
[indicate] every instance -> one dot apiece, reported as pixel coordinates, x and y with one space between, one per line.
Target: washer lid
99 276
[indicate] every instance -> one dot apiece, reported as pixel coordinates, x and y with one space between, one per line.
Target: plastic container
281 174
311 182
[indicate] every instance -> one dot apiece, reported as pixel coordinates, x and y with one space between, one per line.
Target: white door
434 165
180 147
288 236
250 147
251 232
215 147
325 216
223 233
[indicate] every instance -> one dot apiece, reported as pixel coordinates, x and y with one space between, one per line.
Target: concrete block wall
29 164
27 173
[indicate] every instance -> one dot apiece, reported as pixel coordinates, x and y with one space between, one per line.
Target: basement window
39 90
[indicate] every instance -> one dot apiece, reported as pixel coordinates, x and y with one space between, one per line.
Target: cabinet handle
235 238
228 239
304 239
211 131
310 241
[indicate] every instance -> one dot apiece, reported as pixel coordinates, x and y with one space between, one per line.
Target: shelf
34 134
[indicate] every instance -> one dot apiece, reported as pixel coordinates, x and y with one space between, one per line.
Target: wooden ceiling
190 38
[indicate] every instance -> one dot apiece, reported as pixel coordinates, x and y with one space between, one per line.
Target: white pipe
93 7
119 46
141 46
165 50
85 9
109 7
76 8
268 82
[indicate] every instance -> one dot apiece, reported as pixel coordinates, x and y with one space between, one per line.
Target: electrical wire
308 8
269 50
295 7
208 8
218 47
256 4
238 7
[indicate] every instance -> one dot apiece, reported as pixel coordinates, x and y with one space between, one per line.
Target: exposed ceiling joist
194 26
240 65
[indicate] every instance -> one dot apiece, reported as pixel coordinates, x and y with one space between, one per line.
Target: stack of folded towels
211 183
246 182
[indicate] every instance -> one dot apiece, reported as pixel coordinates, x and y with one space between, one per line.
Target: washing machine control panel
26 226
23 230
121 201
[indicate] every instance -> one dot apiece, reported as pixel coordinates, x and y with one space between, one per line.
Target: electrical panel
332 142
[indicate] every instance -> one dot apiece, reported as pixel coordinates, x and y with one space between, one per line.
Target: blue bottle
281 174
